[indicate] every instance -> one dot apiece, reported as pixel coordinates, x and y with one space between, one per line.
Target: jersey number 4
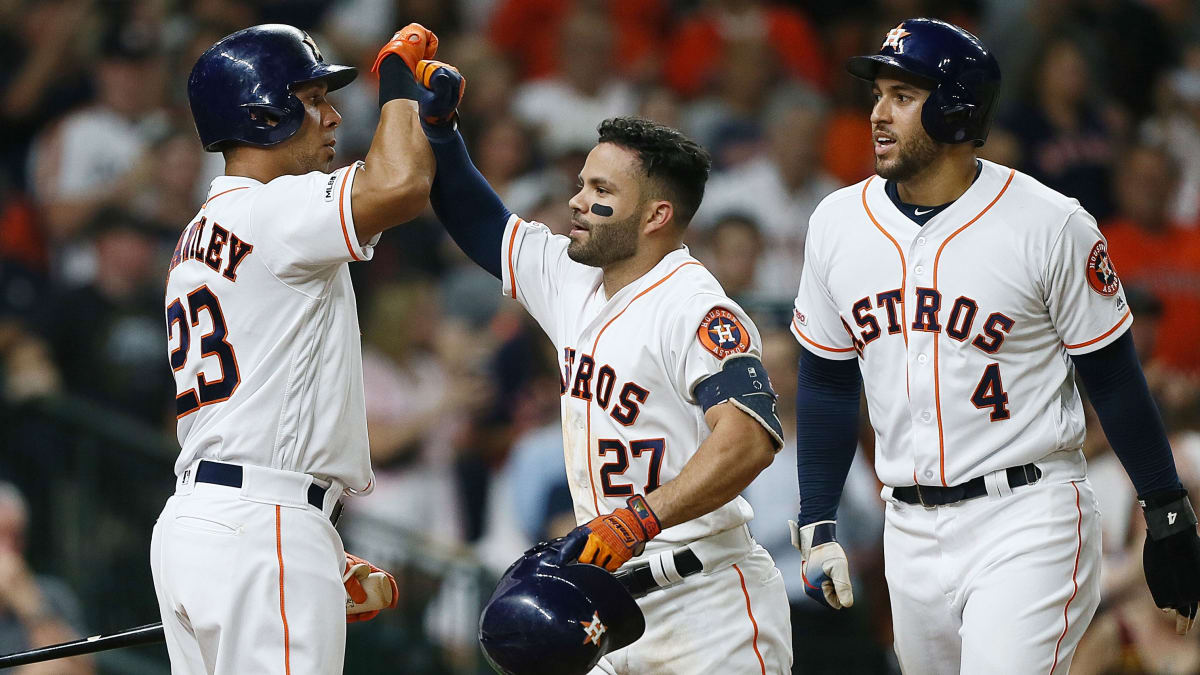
990 393
211 344
620 464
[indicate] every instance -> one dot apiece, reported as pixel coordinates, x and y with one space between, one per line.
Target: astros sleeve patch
1101 274
722 333
1083 292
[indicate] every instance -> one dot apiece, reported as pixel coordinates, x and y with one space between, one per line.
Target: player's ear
659 213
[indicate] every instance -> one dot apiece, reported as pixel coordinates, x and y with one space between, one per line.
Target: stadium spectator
701 41
35 610
1064 140
1150 251
97 156
41 78
107 335
1177 129
637 29
566 108
779 189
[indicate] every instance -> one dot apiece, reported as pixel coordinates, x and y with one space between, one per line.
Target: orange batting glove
412 43
615 538
368 590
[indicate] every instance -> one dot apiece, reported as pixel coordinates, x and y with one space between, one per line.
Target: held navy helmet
240 89
963 75
549 618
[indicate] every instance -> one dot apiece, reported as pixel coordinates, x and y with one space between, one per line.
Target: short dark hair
675 162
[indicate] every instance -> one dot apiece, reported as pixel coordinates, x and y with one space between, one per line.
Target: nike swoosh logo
919 212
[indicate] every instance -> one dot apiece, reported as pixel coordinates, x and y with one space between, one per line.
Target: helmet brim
334 76
868 67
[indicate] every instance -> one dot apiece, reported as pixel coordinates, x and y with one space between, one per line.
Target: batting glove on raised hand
823 566
368 590
446 87
609 541
412 43
1171 555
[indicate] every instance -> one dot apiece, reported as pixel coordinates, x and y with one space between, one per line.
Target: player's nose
576 202
332 117
881 112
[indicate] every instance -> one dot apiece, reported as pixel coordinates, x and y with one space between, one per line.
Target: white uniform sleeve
532 259
304 224
1083 293
703 335
816 322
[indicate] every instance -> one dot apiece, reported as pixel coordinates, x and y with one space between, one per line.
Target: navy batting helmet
240 89
962 74
549 618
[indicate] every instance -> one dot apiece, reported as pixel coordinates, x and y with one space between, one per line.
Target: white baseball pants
998 584
249 580
733 620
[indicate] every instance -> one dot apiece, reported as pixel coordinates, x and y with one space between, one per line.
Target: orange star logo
594 629
894 38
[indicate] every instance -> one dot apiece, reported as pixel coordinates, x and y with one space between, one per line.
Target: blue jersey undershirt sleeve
468 207
1118 391
827 395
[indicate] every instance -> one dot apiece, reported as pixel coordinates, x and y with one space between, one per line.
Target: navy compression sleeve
1118 391
827 393
468 207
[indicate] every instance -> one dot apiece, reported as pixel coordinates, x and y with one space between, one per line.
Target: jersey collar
985 179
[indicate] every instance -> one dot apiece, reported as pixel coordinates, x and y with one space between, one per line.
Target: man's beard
606 244
912 157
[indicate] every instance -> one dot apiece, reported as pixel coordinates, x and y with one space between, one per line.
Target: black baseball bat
142 635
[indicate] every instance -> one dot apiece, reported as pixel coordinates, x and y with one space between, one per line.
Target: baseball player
667 411
263 339
969 296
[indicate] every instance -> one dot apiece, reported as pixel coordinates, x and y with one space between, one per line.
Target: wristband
397 81
1167 515
646 518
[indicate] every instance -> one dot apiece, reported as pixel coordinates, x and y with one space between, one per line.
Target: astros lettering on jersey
628 367
976 312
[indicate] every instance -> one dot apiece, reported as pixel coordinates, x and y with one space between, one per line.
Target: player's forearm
393 185
1117 388
827 395
737 450
466 204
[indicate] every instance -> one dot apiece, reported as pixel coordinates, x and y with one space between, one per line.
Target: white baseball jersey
963 326
263 329
628 365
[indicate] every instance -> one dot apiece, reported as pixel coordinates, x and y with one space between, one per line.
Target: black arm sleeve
1119 393
827 394
467 206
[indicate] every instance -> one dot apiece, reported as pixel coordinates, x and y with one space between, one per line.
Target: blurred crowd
100 169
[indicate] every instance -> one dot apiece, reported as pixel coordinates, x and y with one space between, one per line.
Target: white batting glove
823 567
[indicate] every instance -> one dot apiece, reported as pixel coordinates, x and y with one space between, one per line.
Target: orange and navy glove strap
618 536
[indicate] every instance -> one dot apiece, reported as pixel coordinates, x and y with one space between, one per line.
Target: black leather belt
230 475
927 495
640 580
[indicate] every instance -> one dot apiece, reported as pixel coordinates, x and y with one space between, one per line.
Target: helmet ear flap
947 117
276 123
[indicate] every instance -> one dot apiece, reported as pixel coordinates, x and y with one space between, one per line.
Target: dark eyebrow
603 182
900 88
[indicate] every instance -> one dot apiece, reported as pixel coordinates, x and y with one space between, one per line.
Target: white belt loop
996 483
658 570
